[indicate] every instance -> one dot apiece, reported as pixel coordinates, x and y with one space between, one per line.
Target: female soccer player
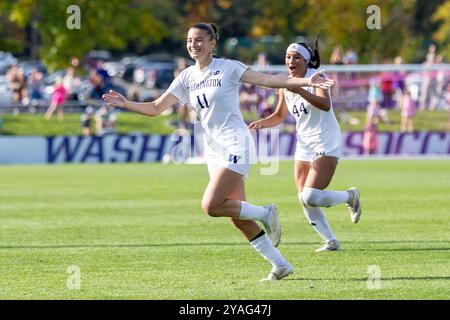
318 143
211 86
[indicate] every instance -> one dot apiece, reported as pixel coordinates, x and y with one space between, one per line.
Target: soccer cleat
354 206
279 272
273 225
332 245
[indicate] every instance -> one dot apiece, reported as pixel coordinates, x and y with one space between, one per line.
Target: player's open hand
255 125
320 80
115 99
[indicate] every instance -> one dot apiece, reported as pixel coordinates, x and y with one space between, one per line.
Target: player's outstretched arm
318 80
151 109
320 100
277 117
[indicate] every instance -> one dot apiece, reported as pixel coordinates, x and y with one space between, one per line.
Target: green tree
442 34
279 17
343 23
105 24
234 18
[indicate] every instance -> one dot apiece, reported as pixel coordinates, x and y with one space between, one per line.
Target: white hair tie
300 49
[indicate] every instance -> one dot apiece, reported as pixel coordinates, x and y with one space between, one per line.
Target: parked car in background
5 93
114 68
155 74
6 60
154 70
92 57
129 64
28 66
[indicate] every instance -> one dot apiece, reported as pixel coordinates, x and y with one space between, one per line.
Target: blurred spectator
337 56
387 88
101 71
351 57
255 98
398 81
58 99
431 54
35 88
151 79
105 120
429 80
86 119
72 83
375 98
262 61
267 99
98 87
413 82
408 108
248 97
374 110
181 64
17 83
133 92
370 137
438 99
75 62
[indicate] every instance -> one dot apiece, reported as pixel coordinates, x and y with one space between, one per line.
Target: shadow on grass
404 249
208 244
137 245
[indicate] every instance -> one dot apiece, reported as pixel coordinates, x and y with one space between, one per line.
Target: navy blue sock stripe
258 235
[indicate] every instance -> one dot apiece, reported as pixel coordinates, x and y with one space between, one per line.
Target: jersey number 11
206 105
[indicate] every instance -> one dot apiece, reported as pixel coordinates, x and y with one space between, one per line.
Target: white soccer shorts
313 148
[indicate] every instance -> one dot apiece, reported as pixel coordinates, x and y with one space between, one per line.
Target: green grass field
136 231
36 125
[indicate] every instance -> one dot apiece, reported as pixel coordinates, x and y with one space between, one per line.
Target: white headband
300 49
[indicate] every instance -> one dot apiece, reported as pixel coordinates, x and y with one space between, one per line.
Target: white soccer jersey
310 121
214 94
317 130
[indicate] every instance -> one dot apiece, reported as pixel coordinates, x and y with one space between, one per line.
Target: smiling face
295 64
199 44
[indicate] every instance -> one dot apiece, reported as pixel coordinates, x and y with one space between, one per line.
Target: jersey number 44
297 112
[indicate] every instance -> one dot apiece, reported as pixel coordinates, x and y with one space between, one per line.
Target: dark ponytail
315 57
314 61
216 31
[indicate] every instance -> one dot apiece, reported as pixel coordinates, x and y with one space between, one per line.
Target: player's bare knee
210 208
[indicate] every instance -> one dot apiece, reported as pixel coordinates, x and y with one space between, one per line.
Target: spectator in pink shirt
408 107
58 100
370 137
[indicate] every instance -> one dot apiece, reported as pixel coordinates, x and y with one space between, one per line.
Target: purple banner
189 148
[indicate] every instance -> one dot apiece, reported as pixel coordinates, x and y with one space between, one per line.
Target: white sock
265 248
252 212
323 198
317 220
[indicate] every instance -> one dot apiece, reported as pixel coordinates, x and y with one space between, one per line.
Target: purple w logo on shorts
234 158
